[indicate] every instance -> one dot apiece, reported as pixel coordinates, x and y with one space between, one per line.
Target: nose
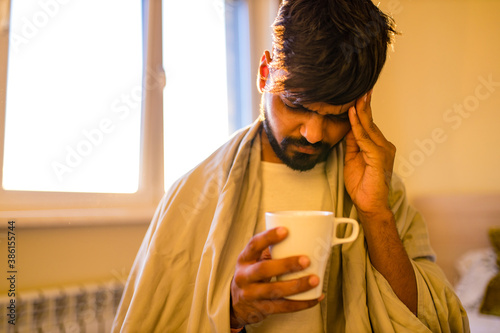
313 127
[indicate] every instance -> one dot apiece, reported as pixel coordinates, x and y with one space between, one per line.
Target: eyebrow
338 115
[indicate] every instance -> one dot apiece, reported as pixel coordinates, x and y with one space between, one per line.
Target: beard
293 159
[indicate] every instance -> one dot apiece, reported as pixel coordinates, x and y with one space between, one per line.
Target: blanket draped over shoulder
180 280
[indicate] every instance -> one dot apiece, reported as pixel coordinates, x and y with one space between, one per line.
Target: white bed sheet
476 268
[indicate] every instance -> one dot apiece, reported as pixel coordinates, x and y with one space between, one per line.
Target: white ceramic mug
310 233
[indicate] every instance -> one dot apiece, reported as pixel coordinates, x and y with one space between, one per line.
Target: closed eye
339 117
292 106
343 117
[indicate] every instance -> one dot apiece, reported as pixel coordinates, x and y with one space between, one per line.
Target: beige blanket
181 277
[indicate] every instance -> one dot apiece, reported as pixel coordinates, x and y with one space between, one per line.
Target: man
204 264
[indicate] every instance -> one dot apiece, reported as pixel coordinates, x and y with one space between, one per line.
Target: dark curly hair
328 51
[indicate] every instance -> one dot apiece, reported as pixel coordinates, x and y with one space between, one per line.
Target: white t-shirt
286 189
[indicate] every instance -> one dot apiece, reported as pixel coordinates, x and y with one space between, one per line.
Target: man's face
301 135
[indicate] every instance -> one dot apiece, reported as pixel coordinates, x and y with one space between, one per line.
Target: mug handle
354 233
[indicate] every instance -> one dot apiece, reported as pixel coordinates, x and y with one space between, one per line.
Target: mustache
302 142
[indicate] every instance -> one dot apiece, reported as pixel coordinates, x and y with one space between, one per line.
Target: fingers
358 138
264 270
266 255
254 274
285 306
365 131
280 289
253 251
363 107
254 264
255 302
253 295
264 308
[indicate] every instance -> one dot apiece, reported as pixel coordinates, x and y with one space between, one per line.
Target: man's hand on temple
369 161
253 295
368 168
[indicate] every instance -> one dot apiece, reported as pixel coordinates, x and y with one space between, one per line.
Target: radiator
86 309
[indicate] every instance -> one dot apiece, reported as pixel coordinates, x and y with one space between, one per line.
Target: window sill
87 217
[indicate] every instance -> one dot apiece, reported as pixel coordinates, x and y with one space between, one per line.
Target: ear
263 71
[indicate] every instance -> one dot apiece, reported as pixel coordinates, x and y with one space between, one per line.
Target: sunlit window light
73 105
195 96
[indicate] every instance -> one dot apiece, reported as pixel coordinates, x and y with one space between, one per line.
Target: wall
261 15
432 101
67 255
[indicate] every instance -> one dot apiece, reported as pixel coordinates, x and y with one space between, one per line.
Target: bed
458 230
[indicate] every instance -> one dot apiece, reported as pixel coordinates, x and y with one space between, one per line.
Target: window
82 100
195 96
78 111
73 98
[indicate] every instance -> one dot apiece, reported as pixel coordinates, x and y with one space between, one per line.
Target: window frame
39 209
